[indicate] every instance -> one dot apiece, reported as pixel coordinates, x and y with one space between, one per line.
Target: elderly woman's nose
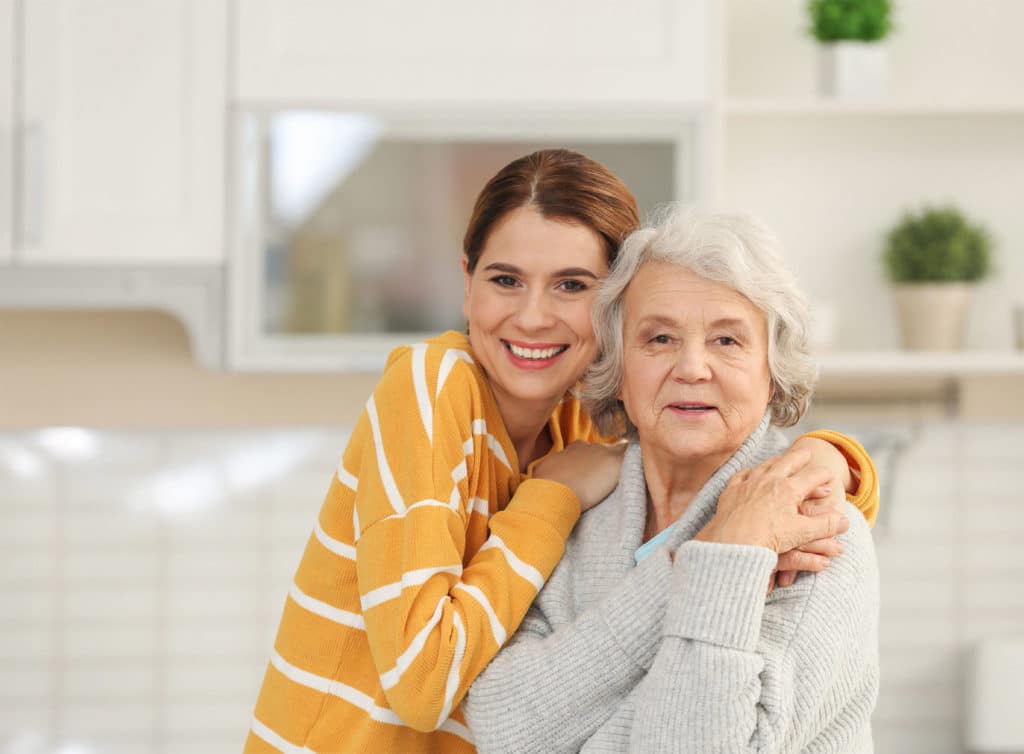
691 363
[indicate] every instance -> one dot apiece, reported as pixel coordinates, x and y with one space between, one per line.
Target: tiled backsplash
142 576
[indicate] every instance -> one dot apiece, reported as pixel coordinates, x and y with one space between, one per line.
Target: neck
672 484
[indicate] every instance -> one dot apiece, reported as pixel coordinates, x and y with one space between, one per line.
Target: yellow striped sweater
428 550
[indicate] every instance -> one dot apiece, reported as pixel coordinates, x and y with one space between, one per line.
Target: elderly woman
677 644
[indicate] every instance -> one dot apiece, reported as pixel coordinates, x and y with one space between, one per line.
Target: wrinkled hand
591 470
762 506
814 556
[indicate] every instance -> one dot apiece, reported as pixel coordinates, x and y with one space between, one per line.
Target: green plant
937 245
860 20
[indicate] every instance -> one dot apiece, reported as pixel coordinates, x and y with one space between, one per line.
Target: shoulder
574 422
439 365
835 611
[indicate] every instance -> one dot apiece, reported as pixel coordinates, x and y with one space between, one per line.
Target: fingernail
822 561
824 490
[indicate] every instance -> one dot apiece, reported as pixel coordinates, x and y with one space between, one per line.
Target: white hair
731 250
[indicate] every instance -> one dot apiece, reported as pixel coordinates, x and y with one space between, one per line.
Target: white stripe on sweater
382 461
453 673
497 630
518 565
390 678
355 697
388 592
447 362
341 690
419 380
346 478
330 612
479 505
278 742
334 545
480 428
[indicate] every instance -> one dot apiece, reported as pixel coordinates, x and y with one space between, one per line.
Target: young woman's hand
591 470
762 506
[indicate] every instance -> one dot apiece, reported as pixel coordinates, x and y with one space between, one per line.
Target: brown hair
562 185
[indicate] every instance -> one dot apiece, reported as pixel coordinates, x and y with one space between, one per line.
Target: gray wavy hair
732 250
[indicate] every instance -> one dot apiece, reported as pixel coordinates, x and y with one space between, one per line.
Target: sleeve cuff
719 592
547 500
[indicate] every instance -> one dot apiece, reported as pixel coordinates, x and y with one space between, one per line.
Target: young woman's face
528 307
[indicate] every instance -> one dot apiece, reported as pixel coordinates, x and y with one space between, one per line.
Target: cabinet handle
30 221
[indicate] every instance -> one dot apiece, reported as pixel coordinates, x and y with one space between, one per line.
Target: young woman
460 484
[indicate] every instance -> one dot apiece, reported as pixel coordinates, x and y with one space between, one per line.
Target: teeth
535 353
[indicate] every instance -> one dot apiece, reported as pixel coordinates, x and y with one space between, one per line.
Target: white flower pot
853 70
933 316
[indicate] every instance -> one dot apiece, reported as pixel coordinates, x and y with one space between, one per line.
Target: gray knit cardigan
690 656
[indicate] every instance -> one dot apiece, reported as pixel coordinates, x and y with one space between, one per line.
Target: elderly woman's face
696 378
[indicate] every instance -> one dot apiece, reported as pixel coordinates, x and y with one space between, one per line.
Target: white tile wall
142 576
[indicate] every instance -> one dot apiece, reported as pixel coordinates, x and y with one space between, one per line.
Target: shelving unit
830 177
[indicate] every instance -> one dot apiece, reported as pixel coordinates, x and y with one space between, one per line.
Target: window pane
364 230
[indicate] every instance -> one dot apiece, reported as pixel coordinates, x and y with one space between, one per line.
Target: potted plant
852 55
934 258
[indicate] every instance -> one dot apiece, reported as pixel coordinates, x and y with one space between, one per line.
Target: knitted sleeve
558 680
434 618
738 673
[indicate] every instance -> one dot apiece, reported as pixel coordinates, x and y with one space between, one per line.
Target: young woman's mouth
533 355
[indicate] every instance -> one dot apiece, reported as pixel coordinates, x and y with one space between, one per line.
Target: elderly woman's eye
726 340
662 339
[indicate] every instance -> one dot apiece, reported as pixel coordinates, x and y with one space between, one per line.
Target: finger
797 560
771 582
820 506
822 527
809 478
830 548
786 578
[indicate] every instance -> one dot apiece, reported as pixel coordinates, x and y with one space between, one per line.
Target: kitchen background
216 216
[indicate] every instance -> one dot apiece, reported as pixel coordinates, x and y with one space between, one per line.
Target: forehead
668 291
525 238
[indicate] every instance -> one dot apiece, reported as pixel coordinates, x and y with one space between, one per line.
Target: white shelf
942 364
828 107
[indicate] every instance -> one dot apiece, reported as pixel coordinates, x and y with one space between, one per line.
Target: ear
468 277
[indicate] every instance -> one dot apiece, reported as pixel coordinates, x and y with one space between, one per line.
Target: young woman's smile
528 307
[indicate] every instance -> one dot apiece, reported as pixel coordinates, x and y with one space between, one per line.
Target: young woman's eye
572 286
505 281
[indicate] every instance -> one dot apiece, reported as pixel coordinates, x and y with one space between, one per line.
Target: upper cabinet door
571 52
121 141
7 130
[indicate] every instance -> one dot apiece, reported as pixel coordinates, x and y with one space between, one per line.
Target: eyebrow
661 319
568 272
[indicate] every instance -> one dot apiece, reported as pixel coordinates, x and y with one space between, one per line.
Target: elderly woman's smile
696 379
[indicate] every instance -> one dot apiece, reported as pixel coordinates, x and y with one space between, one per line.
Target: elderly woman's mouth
692 409
537 353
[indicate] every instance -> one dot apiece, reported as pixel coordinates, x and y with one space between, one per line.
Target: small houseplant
934 258
852 56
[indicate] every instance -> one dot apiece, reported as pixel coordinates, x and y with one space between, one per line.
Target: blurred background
216 217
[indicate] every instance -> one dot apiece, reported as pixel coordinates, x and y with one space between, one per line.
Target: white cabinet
572 52
120 132
6 129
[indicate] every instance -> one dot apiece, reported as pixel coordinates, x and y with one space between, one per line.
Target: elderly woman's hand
591 470
762 506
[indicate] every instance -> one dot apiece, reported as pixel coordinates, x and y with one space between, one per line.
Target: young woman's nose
691 363
535 311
